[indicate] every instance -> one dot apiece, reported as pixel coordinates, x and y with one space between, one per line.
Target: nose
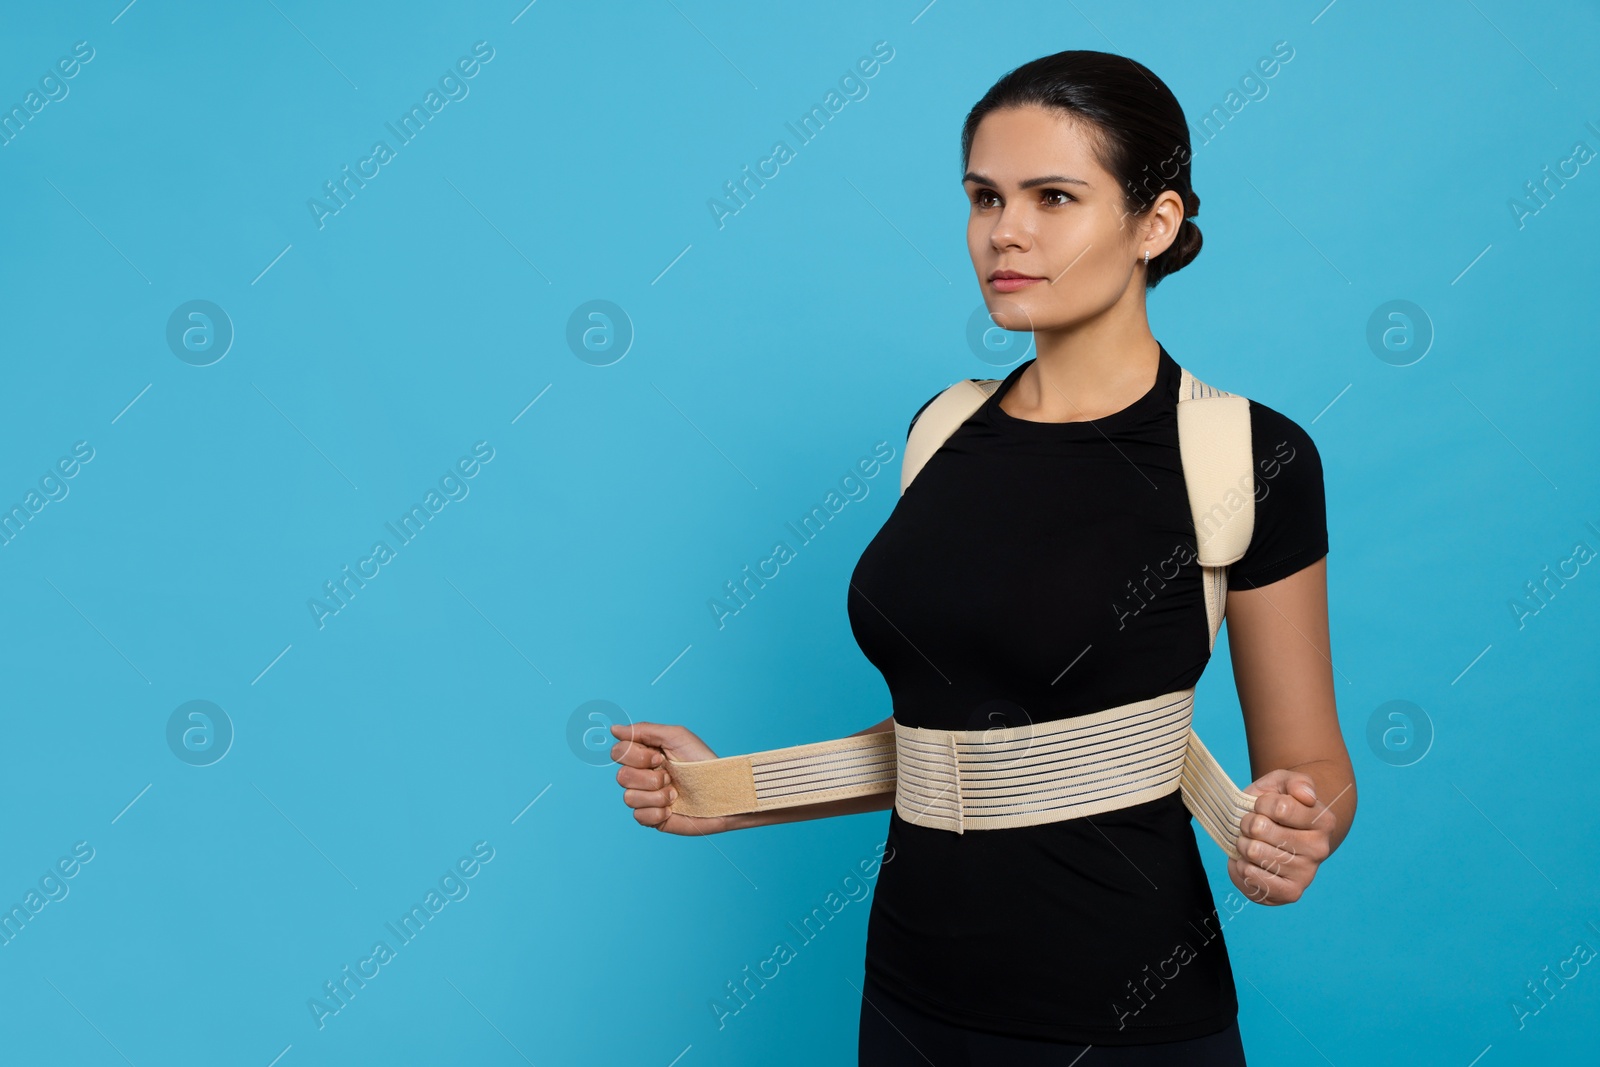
1011 229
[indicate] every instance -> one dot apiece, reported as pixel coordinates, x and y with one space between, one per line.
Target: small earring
1147 257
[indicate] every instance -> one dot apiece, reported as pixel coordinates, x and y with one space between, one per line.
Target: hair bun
1184 247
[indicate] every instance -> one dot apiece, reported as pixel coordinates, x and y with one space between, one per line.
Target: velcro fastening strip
785 777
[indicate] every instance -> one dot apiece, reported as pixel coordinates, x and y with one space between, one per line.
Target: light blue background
770 354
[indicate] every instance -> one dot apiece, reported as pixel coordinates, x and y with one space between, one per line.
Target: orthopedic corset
961 780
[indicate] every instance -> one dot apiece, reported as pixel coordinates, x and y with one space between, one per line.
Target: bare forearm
826 810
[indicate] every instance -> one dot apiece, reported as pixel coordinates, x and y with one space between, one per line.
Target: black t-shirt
1019 579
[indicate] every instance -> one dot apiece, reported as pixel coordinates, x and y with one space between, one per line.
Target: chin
1010 314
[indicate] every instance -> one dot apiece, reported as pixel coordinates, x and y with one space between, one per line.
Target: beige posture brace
962 780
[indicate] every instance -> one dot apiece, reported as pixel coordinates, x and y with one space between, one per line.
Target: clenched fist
1284 841
643 749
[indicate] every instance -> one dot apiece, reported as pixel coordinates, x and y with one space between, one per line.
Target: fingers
643 778
1270 854
675 742
1274 846
651 807
649 791
632 751
1301 786
630 754
1297 784
656 734
1275 863
1291 812
646 786
1262 885
1311 843
649 798
651 816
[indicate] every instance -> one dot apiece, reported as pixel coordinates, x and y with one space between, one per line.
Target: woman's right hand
642 749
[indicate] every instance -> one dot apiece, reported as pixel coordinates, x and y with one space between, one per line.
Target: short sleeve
1291 526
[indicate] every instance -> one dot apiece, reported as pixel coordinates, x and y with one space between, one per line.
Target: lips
1010 281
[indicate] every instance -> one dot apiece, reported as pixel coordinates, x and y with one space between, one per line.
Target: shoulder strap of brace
1219 473
1218 469
942 417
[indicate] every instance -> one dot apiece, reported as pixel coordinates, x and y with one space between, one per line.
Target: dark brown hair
1140 134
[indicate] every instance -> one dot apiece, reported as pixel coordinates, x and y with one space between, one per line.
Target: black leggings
895 1035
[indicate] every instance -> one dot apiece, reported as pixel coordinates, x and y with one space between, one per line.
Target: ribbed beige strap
964 780
1212 798
785 777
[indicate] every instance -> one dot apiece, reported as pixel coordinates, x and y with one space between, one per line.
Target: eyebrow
1049 179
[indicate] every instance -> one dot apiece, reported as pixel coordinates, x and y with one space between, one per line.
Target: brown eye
1065 196
982 197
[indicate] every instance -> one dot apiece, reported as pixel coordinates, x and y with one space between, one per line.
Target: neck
1086 371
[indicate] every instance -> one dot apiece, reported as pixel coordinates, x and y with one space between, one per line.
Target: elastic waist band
960 780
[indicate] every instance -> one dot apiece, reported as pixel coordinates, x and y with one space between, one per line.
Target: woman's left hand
1284 841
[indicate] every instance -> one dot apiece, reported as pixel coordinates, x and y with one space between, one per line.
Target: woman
1001 591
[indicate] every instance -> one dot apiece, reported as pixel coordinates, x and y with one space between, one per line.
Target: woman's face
1041 205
